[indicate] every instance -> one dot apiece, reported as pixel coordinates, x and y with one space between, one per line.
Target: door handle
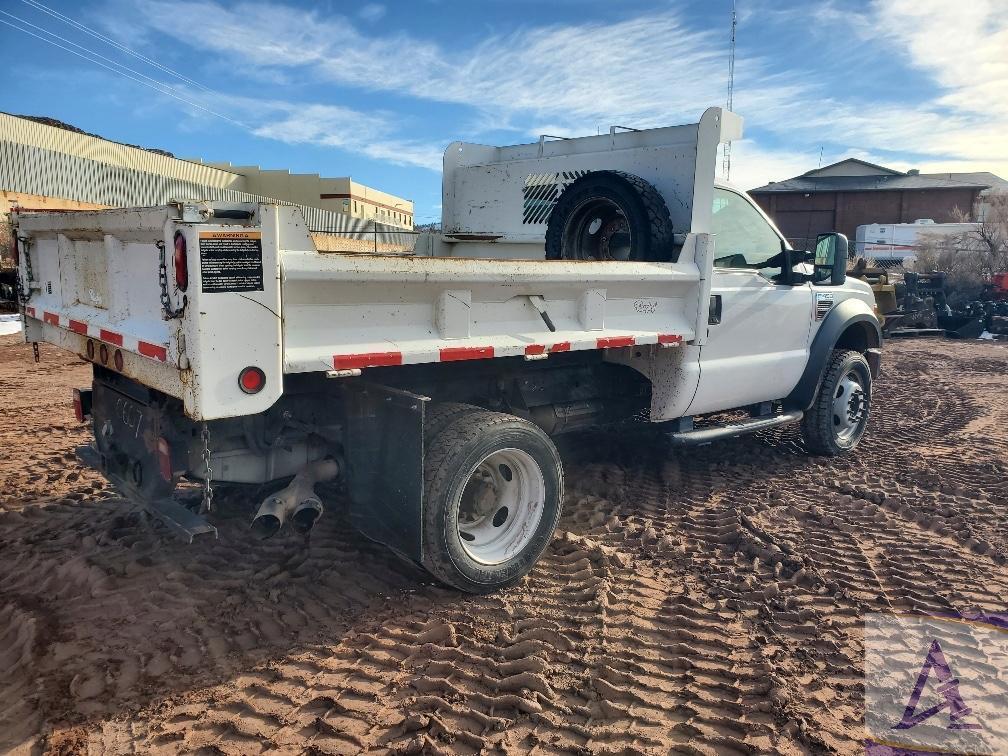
714 311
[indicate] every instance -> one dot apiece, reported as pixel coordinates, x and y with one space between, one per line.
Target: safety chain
166 305
208 473
26 290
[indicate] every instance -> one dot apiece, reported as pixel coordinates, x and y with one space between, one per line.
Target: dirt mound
710 600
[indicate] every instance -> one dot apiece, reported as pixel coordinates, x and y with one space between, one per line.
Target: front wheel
493 486
835 423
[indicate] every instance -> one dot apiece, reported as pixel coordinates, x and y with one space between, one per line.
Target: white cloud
351 131
753 165
371 134
644 71
963 46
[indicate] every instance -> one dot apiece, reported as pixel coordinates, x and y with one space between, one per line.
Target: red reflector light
164 458
103 353
118 359
78 406
181 262
251 380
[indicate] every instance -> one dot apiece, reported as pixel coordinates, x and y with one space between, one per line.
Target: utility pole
726 164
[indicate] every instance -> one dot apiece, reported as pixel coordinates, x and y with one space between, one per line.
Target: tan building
42 165
337 195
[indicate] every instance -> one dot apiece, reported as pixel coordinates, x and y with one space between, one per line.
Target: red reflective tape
77 327
111 337
366 360
51 318
535 349
30 312
614 341
451 354
561 346
669 338
156 351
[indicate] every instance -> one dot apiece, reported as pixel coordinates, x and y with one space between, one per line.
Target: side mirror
830 260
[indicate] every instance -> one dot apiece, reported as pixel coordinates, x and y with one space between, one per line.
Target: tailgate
94 284
97 289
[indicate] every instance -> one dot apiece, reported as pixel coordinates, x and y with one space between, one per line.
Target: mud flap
384 454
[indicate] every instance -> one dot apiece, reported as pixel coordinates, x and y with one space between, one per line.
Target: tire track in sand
706 602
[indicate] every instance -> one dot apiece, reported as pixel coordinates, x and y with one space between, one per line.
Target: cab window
744 238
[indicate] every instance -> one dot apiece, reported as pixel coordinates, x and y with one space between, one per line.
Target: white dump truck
575 283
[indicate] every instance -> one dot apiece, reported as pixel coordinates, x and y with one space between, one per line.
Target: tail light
181 262
78 404
90 349
118 360
251 380
103 353
164 458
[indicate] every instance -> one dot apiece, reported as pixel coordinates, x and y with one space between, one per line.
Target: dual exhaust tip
297 503
275 511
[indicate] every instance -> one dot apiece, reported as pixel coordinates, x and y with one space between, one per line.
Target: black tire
824 431
451 458
622 194
440 414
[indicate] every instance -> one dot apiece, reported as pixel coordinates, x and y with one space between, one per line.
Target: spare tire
609 215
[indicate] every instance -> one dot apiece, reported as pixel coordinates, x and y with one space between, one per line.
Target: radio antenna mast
726 164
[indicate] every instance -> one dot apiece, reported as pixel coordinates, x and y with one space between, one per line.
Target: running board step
183 522
700 436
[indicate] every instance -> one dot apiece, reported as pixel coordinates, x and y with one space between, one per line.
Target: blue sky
376 90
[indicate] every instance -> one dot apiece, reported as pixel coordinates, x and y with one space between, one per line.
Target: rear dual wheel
493 487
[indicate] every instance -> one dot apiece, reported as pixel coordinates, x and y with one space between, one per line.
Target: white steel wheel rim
850 407
500 506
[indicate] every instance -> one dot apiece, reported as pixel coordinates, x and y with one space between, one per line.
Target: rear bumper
183 521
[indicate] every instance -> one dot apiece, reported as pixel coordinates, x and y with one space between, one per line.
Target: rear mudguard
384 451
850 324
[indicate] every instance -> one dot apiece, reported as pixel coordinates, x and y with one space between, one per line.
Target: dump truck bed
257 291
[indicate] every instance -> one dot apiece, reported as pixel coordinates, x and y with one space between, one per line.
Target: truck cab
764 317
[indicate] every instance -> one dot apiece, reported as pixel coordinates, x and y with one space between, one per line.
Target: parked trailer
897 243
576 283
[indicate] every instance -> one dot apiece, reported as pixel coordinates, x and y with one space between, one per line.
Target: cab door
759 345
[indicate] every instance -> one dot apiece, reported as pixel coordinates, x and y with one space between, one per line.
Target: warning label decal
231 261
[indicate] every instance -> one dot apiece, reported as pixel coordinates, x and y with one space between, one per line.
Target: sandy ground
708 601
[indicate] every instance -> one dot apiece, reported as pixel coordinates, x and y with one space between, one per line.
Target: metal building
45 166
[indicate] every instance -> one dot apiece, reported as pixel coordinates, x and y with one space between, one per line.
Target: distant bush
970 259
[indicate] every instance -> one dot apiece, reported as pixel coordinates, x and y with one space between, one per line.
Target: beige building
43 166
337 195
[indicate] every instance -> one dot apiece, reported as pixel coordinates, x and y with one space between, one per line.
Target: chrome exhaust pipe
297 501
270 517
306 514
